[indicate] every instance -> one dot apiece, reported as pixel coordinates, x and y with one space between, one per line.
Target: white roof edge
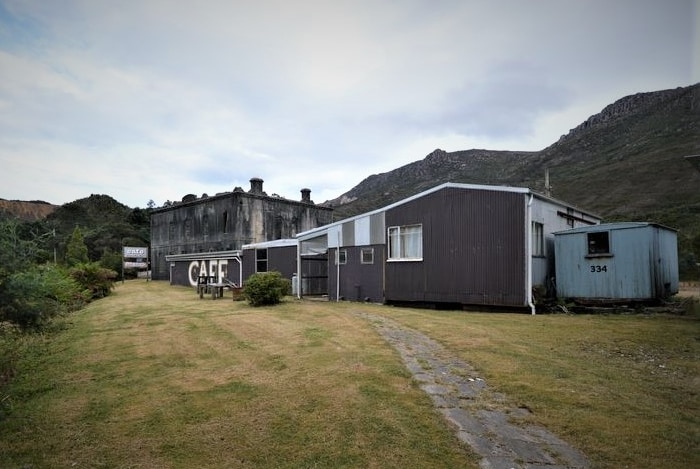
616 225
196 256
271 244
519 190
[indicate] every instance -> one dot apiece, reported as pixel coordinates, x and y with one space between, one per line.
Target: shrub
95 280
111 260
266 288
31 299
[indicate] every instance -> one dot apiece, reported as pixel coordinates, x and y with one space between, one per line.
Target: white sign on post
138 259
135 253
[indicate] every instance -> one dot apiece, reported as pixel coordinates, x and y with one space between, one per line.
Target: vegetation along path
482 418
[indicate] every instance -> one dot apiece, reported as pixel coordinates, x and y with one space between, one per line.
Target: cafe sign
135 253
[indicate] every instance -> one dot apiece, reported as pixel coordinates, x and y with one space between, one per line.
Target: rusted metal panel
473 249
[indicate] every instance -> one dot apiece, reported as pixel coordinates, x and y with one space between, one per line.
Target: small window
205 225
261 260
406 242
570 218
599 243
188 228
537 239
342 257
367 256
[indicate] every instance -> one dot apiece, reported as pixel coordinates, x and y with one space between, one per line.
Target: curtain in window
406 242
412 242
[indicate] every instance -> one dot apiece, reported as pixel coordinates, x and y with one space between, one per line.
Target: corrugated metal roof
623 225
521 190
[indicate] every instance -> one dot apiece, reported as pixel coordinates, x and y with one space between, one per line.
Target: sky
150 100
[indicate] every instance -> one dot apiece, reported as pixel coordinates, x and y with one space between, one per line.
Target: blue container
616 262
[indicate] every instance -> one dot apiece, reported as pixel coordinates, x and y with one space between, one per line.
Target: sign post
134 258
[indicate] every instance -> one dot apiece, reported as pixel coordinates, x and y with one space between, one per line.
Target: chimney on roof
256 186
306 196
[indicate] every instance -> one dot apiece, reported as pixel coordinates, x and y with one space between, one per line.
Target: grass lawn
152 376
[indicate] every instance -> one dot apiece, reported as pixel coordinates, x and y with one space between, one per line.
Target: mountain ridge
656 129
624 163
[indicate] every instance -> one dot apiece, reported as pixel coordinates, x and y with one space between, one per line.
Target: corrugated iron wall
358 281
642 264
473 249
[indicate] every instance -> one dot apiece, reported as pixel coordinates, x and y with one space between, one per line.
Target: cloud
157 99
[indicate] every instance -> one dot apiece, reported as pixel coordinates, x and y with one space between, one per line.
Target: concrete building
206 234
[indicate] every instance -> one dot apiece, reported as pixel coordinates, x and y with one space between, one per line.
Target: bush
95 280
266 288
31 299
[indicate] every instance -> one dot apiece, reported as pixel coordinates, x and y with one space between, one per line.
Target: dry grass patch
622 388
155 377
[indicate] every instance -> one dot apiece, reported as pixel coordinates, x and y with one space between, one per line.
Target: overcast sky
153 99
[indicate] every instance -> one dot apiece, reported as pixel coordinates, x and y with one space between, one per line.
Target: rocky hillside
26 211
625 163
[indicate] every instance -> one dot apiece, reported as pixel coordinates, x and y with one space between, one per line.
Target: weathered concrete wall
228 221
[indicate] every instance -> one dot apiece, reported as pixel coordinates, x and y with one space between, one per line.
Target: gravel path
481 417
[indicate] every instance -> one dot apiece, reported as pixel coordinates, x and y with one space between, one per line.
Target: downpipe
530 303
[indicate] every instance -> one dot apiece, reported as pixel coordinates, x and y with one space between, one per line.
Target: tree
17 253
76 250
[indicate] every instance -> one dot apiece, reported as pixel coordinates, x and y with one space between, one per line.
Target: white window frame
342 257
369 252
537 239
410 243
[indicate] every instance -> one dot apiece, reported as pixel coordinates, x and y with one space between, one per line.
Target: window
406 242
205 225
342 257
570 218
188 228
537 239
261 260
367 256
598 243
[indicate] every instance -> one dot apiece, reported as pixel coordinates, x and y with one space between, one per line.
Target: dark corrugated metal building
278 255
455 244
